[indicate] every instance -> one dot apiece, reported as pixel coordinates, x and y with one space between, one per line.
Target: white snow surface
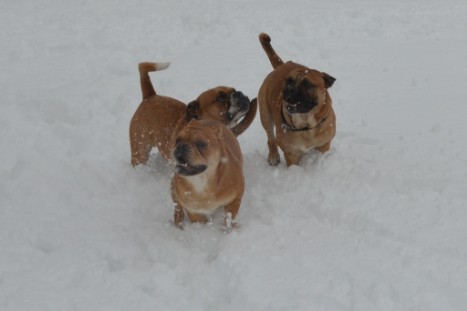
379 223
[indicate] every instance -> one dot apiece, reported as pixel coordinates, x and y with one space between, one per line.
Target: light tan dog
158 119
209 172
294 99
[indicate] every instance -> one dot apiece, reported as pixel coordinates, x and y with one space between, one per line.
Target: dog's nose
237 95
181 153
290 94
240 101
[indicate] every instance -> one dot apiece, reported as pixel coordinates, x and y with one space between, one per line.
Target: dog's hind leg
268 125
140 147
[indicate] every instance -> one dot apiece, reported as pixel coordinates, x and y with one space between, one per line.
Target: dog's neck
320 116
200 182
207 179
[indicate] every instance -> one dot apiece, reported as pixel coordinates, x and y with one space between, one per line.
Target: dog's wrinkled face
222 103
304 90
196 149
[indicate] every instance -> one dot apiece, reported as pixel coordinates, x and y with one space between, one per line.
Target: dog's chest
202 197
303 120
205 204
303 141
199 183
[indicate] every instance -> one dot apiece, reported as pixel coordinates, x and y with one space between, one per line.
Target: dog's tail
247 119
146 86
265 41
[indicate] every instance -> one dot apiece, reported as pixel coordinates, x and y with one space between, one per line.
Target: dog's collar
290 128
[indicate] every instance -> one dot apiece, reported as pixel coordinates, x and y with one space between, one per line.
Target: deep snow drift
379 223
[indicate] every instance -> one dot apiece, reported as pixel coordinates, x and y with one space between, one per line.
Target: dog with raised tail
159 119
295 108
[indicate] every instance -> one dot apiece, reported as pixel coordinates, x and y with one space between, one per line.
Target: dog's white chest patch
303 120
198 182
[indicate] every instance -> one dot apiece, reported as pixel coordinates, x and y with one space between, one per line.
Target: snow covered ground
377 224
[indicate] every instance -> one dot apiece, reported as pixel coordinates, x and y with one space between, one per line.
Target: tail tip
264 37
162 66
149 66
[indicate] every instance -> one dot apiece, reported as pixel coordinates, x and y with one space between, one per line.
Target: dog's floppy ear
192 111
328 80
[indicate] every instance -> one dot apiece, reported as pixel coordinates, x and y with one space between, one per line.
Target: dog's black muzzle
297 101
239 106
183 167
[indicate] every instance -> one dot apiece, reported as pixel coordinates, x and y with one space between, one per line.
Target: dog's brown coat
295 133
220 185
159 119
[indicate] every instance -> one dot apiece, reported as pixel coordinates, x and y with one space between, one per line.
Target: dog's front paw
179 215
179 226
273 161
230 222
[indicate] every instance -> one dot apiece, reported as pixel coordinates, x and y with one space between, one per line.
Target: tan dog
209 172
158 119
294 99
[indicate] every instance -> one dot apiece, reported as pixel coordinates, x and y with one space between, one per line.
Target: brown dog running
294 99
209 172
158 119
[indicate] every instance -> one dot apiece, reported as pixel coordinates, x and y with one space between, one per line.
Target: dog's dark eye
290 81
307 84
221 97
201 145
177 141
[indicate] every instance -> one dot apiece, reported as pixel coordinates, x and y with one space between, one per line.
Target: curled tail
265 41
146 86
247 119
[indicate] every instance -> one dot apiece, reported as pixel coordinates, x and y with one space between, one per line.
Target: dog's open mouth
234 119
290 106
189 170
239 106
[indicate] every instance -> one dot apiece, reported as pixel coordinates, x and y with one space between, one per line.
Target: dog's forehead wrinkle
194 132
